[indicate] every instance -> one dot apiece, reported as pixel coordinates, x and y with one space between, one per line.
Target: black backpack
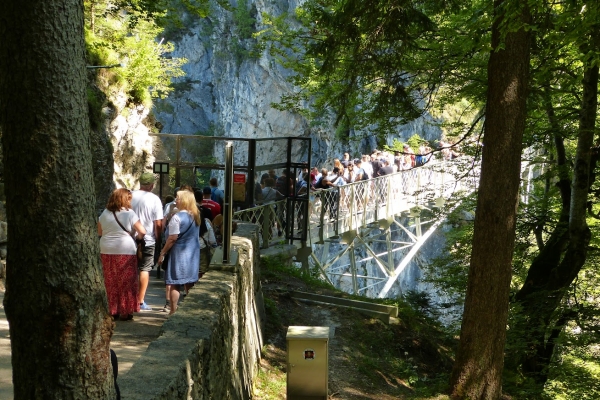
206 212
319 184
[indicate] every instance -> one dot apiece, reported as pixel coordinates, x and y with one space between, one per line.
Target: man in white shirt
149 209
367 167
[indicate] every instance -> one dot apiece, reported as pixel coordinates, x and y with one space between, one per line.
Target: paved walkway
129 341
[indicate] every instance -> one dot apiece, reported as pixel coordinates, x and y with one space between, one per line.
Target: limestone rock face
229 92
132 146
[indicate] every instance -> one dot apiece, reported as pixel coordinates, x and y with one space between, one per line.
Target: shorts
204 260
147 263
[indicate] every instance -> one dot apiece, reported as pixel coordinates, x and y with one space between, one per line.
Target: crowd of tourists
271 187
138 233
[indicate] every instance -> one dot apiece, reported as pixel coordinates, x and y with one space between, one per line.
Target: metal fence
194 159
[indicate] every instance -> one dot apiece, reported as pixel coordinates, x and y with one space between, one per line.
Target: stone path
129 341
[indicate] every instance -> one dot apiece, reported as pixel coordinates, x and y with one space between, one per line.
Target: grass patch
577 377
275 268
270 383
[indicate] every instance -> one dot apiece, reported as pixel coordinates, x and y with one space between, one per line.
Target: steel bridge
351 232
363 234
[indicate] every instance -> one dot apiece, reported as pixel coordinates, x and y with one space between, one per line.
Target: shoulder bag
140 244
209 249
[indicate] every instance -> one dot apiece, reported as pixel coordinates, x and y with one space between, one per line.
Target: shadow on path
130 338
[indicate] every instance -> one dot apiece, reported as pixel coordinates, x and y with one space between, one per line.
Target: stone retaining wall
210 348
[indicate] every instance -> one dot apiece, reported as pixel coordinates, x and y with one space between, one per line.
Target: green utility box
307 362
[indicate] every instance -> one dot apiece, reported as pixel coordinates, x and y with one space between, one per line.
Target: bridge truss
349 236
413 202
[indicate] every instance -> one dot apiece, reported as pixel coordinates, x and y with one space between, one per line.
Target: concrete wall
210 348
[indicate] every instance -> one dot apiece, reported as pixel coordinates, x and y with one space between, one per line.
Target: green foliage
243 42
576 376
128 36
397 145
95 99
183 15
449 272
379 64
276 266
270 384
421 302
414 142
272 311
245 19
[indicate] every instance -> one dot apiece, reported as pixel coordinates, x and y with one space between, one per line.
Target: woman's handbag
140 244
140 248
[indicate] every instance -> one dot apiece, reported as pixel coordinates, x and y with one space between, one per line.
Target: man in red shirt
213 206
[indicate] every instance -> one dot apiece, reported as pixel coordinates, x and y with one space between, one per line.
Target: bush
129 38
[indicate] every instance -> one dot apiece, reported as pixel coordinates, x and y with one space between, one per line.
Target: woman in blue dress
182 247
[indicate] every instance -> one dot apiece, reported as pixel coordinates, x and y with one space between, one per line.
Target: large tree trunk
55 299
478 367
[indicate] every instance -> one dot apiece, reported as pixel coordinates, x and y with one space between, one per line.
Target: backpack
319 183
205 225
419 160
206 212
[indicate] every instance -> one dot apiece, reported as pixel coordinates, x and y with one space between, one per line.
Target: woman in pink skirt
117 227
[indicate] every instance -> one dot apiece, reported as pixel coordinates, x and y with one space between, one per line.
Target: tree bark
55 299
479 362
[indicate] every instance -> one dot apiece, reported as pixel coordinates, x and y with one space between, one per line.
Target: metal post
306 207
177 161
323 197
289 201
351 209
337 212
228 203
160 192
251 201
353 269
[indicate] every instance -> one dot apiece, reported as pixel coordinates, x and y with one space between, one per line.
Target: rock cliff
229 90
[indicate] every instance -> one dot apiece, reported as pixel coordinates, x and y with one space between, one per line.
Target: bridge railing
269 217
345 208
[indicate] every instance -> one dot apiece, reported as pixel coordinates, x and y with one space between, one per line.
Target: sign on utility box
307 362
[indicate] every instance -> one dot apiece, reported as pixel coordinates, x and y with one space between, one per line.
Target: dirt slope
367 358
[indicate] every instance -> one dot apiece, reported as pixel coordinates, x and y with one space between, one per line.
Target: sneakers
145 307
166 308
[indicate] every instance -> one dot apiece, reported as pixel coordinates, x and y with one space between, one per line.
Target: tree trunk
479 362
55 299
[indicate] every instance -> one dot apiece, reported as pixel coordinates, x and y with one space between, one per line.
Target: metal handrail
269 218
356 204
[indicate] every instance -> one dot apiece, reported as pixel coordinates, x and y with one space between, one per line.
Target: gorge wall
228 91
